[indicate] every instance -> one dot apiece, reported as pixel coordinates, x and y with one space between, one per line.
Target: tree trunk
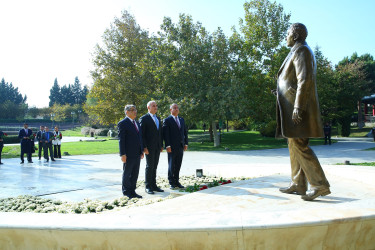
360 122
216 135
211 134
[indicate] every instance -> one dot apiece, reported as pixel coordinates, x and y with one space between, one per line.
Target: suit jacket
25 143
152 137
296 88
130 141
44 137
39 135
174 136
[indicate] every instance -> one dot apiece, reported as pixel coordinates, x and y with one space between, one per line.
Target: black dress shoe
179 185
21 162
30 162
135 195
293 189
149 191
53 160
314 193
1 163
157 189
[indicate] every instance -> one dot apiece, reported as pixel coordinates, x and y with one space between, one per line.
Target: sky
41 40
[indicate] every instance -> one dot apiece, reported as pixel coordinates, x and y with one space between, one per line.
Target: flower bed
35 204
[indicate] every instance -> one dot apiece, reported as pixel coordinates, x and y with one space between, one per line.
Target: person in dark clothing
47 138
40 142
2 134
25 135
327 133
373 132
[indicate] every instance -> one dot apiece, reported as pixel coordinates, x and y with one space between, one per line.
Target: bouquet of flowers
3 135
58 136
32 136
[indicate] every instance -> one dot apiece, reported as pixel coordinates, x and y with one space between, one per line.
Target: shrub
101 131
269 130
85 130
11 139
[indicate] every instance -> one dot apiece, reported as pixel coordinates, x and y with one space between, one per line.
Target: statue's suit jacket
296 88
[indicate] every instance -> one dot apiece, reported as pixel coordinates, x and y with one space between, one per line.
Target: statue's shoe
313 193
293 189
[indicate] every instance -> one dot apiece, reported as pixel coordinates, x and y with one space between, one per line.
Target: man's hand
296 117
143 155
169 150
123 158
274 92
185 147
145 150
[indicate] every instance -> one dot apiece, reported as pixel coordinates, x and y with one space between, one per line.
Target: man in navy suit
176 142
131 150
47 138
153 144
40 142
24 134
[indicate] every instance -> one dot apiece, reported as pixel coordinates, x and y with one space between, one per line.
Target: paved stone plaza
249 214
74 178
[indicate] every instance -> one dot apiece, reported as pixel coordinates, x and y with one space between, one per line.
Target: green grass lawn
72 132
360 164
198 141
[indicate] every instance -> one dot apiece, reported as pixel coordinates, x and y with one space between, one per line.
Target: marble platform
249 214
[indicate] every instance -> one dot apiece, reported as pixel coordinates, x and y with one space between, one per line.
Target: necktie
135 125
156 121
178 122
47 136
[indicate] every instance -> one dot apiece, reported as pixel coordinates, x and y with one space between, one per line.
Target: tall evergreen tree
55 94
12 103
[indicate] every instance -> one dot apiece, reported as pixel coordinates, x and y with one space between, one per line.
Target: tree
12 103
326 86
120 74
55 94
260 55
195 68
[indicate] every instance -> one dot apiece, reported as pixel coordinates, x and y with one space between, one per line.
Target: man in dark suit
25 134
298 115
40 142
131 150
1 143
176 142
153 144
47 138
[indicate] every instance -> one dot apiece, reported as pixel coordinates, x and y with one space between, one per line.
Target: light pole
73 113
52 116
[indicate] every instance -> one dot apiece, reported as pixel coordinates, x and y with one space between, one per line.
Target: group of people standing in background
146 137
46 139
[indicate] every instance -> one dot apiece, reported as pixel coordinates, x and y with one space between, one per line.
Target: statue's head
297 32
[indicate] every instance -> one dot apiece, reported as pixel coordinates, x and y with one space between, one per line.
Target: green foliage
71 94
121 73
12 103
11 139
261 55
269 130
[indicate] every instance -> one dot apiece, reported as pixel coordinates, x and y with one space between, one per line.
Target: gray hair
149 103
300 29
170 107
129 107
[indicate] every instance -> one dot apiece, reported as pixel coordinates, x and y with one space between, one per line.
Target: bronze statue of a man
298 115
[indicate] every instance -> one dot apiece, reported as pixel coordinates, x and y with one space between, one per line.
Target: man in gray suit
298 115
